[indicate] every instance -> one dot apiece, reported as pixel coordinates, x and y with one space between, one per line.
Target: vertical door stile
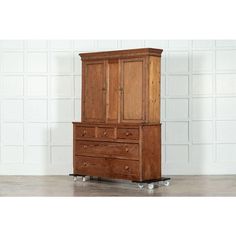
119 92
107 90
112 90
83 91
146 90
105 86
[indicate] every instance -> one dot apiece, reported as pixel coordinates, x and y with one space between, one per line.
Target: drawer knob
105 133
126 149
126 167
127 133
85 163
85 146
84 133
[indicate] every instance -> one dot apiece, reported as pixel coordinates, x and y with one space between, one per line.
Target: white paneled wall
40 95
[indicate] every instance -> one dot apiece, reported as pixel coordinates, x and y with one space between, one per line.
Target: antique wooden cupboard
120 133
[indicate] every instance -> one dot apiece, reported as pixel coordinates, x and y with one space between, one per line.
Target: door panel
113 91
132 90
94 92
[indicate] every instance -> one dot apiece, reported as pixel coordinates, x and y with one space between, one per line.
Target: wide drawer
127 133
106 167
84 132
107 149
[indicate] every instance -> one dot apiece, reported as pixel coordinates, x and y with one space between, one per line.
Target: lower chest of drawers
131 152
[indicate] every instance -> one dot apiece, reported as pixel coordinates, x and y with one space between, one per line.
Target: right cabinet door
132 90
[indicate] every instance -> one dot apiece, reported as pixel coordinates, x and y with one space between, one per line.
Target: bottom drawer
106 167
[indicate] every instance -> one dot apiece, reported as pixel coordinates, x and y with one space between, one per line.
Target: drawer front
106 167
91 166
84 132
127 133
124 169
107 149
106 133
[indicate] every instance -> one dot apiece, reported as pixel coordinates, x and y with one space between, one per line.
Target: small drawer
106 133
127 133
84 132
124 169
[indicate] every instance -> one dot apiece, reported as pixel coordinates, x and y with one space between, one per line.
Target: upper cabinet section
121 86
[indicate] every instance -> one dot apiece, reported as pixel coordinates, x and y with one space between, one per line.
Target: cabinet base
150 183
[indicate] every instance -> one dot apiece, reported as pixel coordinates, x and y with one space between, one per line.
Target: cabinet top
121 53
115 124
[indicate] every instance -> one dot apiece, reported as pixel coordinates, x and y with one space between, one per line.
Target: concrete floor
64 186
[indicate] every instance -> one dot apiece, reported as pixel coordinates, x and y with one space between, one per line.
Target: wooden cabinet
120 132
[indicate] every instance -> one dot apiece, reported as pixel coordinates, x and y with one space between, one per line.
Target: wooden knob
127 133
85 146
126 149
84 133
105 133
85 163
126 167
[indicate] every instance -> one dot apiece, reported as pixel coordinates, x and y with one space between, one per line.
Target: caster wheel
140 186
151 186
75 179
84 179
166 183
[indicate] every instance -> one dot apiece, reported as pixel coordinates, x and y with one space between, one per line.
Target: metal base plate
76 175
152 180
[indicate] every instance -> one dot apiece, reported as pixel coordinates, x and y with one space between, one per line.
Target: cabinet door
94 92
113 91
133 90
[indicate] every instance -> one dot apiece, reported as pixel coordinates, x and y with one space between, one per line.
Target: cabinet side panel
113 91
154 89
151 152
94 92
74 137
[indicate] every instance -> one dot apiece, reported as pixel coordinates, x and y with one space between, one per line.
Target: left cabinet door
93 91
